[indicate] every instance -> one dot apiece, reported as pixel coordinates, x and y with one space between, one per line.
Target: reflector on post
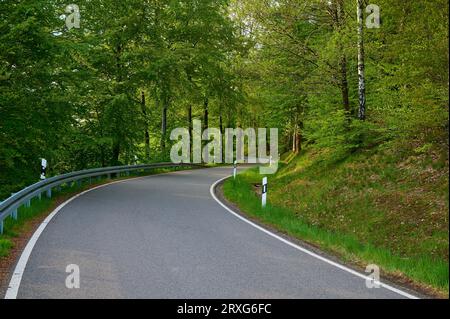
43 168
264 192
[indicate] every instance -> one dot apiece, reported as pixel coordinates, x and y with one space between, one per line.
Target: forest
112 89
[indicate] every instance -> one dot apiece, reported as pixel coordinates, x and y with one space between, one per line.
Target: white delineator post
234 169
264 192
43 168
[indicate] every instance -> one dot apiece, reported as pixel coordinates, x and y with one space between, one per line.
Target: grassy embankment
385 206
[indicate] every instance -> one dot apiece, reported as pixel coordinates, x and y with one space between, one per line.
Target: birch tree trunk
361 76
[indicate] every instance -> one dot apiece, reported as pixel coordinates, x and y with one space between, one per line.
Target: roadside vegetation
386 206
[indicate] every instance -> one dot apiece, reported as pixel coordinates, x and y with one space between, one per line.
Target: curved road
164 236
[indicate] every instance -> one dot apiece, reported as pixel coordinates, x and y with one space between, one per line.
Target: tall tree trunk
146 132
299 137
296 140
344 86
206 122
117 137
296 135
361 76
164 125
190 129
220 120
222 137
339 21
102 152
206 115
294 144
115 153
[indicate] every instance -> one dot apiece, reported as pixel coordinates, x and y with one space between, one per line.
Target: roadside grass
378 207
43 206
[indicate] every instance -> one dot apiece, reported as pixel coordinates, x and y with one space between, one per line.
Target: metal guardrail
9 207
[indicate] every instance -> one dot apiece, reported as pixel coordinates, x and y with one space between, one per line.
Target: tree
361 76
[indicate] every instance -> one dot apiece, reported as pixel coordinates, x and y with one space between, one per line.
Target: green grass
41 207
372 208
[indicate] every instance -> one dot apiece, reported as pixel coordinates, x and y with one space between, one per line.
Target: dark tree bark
220 121
296 140
146 131
361 75
117 142
221 130
115 153
297 131
190 129
343 81
206 121
206 115
164 125
344 86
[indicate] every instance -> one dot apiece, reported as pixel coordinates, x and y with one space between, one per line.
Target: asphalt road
164 236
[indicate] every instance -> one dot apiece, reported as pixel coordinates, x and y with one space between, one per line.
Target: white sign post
264 192
234 169
43 168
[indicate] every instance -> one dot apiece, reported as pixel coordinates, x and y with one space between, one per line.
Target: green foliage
74 97
304 56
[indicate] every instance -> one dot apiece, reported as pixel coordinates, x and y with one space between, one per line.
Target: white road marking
304 250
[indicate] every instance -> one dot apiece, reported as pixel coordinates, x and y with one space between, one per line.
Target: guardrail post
14 214
78 183
28 203
109 175
40 196
1 227
49 192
